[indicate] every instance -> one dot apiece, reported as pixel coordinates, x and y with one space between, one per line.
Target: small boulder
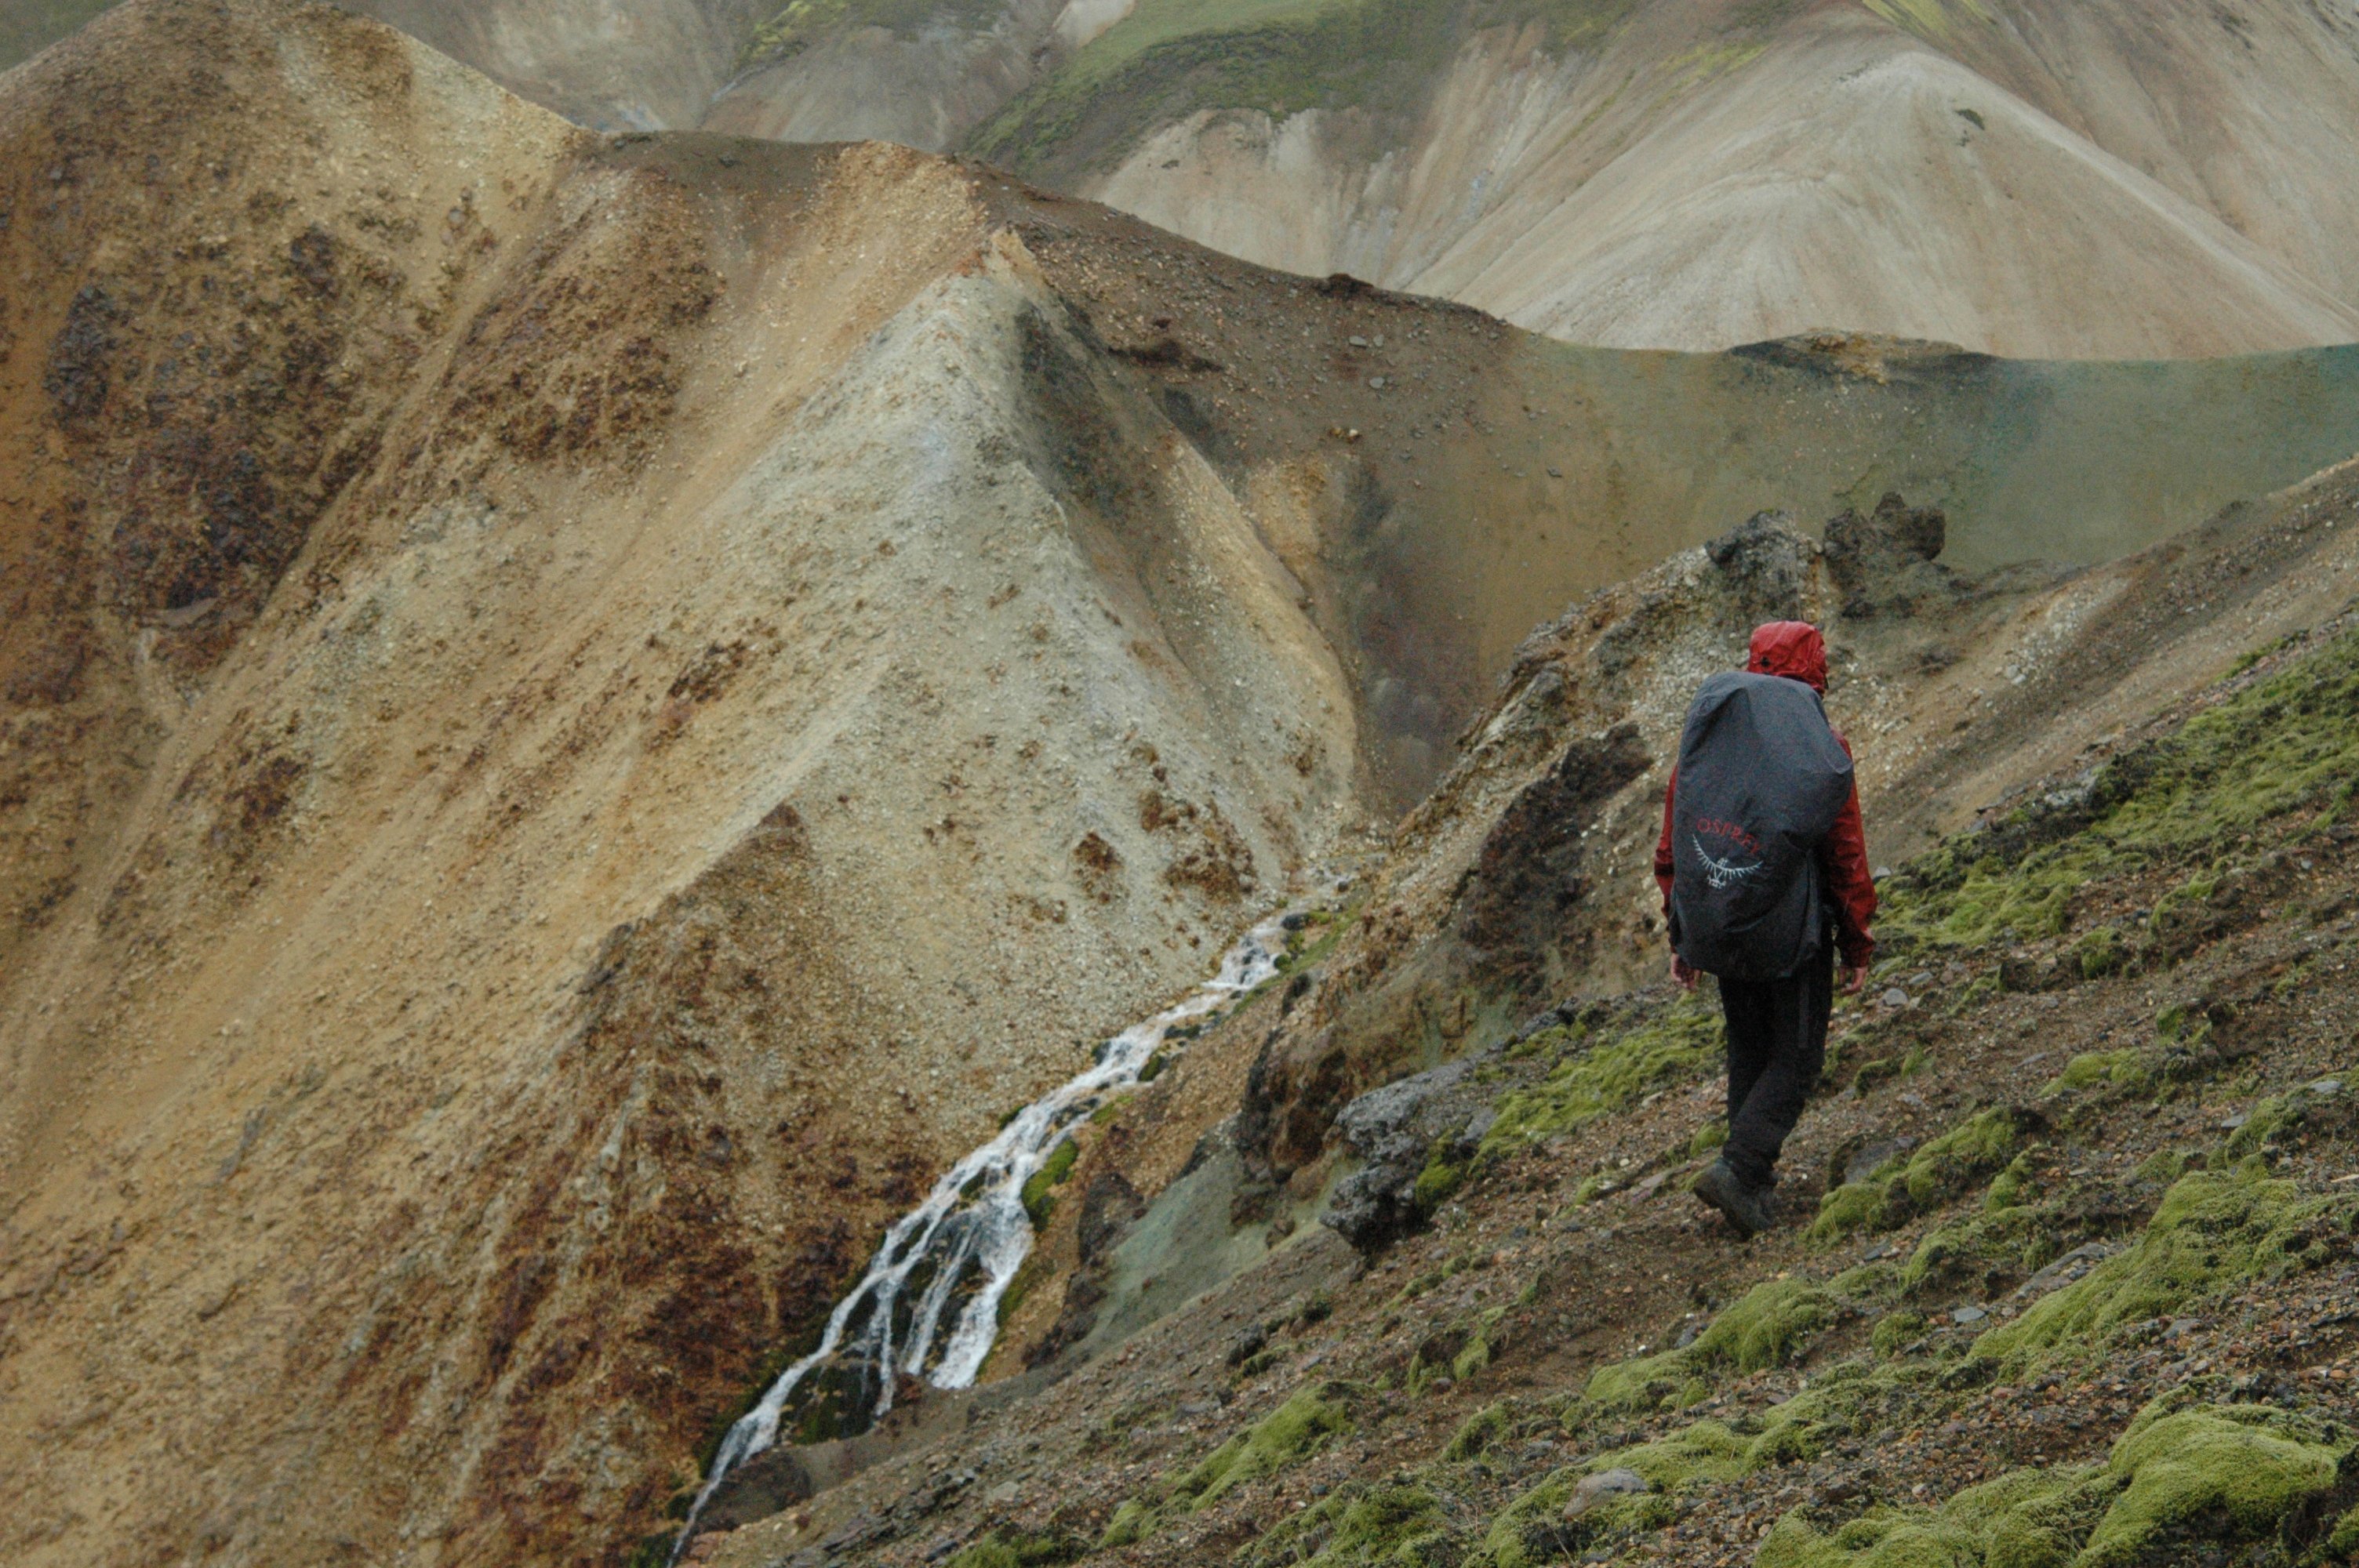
1603 1486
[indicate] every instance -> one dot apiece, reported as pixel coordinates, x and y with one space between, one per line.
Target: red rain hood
1790 648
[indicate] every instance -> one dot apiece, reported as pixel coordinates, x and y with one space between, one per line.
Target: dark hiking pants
1776 1043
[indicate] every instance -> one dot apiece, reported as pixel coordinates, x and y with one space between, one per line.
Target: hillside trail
2073 1209
580 714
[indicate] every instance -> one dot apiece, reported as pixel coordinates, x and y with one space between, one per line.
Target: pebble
1896 997
1968 1314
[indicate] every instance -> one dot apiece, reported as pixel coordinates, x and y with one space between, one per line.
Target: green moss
1682 1043
1133 1520
1038 1186
1440 1179
2118 1068
2211 1475
1765 1328
1002 1551
1932 1174
1532 1530
1980 1251
2025 1518
2012 1188
2281 745
2218 1469
2212 1230
1358 1527
2342 1541
2273 1122
1895 1331
1480 1429
2100 952
1296 1429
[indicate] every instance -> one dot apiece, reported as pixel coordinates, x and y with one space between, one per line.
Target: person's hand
1683 975
1855 979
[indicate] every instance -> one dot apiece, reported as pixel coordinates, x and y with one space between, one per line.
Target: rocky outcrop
1887 562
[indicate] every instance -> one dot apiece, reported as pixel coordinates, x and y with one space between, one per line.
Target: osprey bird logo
1721 874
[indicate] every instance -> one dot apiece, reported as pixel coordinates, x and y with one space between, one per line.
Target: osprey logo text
1721 874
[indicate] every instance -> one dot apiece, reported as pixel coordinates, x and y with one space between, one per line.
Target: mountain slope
2029 178
2066 1268
578 716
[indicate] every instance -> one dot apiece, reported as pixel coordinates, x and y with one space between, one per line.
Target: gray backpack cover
1762 779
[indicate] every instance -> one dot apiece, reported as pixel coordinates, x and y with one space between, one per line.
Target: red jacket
1795 650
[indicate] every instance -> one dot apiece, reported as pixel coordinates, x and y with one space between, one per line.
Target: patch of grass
2248 1466
806 22
1480 1430
1169 59
2100 952
2219 1474
1682 1042
2118 1068
1039 1193
1933 1173
2281 1119
1532 1530
1983 1251
1930 18
1440 1179
2284 744
1358 1525
1765 1328
1002 1551
2033 1517
28 27
1895 1331
1294 1431
2213 1231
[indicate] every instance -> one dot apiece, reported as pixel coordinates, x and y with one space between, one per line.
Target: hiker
1762 857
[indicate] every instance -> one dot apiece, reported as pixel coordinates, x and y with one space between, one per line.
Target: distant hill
2041 179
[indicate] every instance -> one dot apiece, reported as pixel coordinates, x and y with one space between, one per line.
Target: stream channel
928 1304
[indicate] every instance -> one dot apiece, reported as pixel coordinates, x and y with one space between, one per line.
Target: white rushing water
972 1230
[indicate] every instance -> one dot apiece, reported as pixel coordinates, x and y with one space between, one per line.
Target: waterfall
972 1230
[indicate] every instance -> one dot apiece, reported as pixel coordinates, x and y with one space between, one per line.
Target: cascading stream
972 1231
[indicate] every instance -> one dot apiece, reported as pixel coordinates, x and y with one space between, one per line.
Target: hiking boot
1748 1208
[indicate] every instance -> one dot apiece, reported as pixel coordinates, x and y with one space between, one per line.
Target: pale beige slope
924 89
1675 191
611 64
2244 111
1838 178
2163 178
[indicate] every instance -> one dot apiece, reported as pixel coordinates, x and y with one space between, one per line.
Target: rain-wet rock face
1398 1130
1517 911
1885 563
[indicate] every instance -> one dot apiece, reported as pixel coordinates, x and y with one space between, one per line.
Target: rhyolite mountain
2044 179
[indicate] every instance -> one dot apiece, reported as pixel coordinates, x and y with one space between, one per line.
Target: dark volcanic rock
771 1482
1883 563
1396 1129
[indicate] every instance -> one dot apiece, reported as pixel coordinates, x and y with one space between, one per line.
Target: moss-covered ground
2067 1276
